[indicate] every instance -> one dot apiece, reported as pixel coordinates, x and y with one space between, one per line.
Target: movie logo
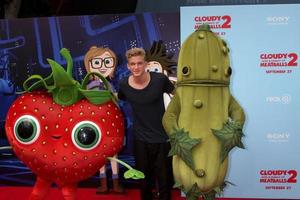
278 179
281 99
277 20
277 137
218 23
278 63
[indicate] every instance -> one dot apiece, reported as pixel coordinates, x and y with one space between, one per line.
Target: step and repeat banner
264 42
265 46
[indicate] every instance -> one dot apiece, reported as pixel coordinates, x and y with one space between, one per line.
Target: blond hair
95 51
135 52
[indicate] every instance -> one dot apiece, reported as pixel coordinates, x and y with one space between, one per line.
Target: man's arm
169 86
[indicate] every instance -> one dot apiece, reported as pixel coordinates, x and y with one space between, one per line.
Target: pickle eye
27 129
228 71
186 70
86 135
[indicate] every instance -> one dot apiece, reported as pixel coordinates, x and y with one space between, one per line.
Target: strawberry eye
27 129
86 135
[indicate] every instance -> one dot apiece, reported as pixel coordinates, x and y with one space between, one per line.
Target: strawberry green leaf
66 54
95 96
41 83
230 136
64 89
182 145
60 76
130 173
134 174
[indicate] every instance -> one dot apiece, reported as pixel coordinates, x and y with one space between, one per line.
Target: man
144 92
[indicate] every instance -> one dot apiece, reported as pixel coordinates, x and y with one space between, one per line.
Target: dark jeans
153 160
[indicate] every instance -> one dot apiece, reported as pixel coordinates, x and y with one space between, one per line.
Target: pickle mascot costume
203 121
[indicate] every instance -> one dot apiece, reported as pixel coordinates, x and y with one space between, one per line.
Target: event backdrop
25 44
264 44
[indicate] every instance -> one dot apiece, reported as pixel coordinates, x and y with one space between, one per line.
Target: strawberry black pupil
86 135
25 129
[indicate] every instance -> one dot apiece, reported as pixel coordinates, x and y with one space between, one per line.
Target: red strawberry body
71 142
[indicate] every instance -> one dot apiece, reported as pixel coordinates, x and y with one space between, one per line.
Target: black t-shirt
148 107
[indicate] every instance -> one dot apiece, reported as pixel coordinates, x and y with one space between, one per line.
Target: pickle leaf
194 193
230 136
209 196
181 145
179 185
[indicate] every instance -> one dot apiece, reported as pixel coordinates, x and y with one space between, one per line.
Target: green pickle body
202 102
